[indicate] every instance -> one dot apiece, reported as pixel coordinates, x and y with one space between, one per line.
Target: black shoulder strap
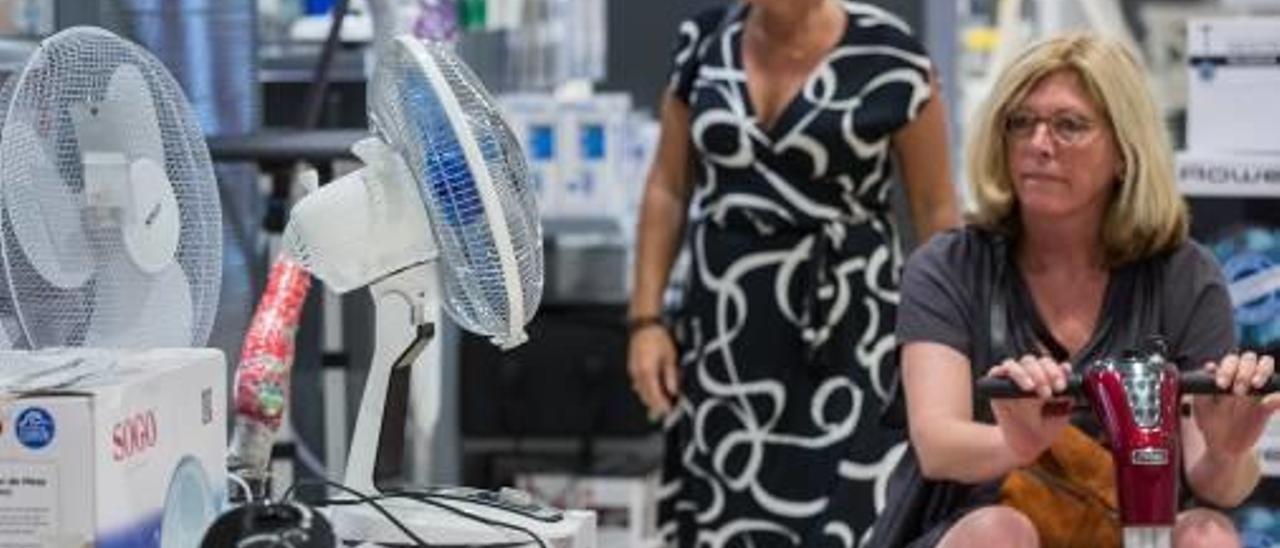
998 319
1027 309
997 344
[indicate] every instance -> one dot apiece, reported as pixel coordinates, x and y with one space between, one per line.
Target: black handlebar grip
1004 388
1191 382
1201 382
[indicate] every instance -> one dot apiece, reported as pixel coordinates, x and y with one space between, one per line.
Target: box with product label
1233 73
625 506
131 451
535 120
592 135
587 156
1235 214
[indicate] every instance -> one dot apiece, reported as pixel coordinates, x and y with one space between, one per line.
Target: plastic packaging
266 359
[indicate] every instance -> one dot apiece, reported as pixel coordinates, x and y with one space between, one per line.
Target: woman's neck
794 20
1065 246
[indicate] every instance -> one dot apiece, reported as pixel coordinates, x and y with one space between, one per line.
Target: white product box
136 457
1233 77
1225 175
625 507
593 140
1234 199
535 120
1269 449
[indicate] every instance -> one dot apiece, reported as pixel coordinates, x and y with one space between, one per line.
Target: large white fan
110 226
443 212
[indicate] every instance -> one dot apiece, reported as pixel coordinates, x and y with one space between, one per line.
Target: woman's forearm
962 451
948 442
663 210
662 219
1223 481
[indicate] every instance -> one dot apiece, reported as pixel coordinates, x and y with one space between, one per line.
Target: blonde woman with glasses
1078 249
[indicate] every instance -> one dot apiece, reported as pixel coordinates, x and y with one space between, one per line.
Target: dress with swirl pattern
786 332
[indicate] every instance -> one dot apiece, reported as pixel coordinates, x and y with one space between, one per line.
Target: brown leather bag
1069 493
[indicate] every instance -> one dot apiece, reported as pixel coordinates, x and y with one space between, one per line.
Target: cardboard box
1216 175
1234 202
593 135
1233 77
535 120
587 156
136 458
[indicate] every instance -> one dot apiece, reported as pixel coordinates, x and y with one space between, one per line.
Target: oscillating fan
110 225
443 212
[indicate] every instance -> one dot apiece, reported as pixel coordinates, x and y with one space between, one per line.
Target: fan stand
405 305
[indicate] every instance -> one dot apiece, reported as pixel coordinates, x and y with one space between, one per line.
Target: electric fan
110 227
442 212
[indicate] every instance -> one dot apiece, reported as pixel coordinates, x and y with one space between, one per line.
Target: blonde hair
1146 215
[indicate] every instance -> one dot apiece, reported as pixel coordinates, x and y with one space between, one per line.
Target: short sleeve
897 80
1198 311
937 293
691 36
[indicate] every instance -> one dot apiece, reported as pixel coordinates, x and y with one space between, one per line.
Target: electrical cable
426 498
248 493
363 499
320 76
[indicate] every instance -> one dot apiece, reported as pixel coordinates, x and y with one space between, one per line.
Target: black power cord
424 498
428 499
363 499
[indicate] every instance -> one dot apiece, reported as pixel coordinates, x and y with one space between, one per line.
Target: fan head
110 226
428 106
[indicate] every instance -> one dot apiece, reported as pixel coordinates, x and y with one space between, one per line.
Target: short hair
1147 215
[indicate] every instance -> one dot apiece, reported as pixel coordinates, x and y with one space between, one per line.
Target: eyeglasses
1066 128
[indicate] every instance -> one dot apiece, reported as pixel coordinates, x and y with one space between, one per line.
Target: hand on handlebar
1030 425
1232 424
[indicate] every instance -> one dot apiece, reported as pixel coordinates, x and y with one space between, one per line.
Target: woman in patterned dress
786 113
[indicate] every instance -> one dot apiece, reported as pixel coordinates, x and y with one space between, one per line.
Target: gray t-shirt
954 285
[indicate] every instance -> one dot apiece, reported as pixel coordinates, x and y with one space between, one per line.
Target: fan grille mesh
407 112
95 283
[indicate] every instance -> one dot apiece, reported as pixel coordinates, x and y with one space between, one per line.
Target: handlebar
1191 382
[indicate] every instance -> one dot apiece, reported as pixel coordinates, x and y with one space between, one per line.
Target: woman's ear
1121 164
1127 154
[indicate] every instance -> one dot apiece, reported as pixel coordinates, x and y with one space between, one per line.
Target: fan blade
124 121
130 105
54 244
138 310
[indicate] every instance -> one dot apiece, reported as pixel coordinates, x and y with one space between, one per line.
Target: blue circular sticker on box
34 428
1250 262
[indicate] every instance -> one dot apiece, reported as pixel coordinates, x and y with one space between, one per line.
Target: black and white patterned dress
787 327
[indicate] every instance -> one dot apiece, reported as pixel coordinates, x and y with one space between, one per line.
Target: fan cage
408 112
72 68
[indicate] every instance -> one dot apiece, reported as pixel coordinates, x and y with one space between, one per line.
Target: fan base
360 523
